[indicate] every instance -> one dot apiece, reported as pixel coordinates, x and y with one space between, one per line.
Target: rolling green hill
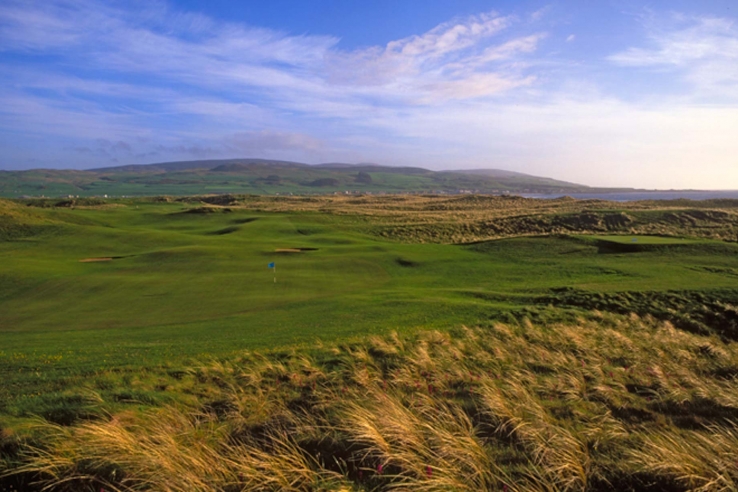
260 176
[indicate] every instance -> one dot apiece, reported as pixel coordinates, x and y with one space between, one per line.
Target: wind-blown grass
609 402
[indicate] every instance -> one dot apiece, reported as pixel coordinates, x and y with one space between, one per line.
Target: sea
630 196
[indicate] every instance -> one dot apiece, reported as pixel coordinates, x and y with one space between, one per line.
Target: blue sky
625 93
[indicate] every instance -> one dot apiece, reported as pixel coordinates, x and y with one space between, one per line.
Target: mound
716 224
18 221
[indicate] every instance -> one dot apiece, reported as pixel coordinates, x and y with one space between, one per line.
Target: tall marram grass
700 460
605 403
170 450
423 444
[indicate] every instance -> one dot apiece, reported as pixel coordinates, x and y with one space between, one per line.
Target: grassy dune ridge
146 345
469 218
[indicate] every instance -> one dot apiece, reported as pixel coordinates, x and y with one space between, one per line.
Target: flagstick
275 273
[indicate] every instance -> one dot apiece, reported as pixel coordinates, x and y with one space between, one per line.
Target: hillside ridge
269 177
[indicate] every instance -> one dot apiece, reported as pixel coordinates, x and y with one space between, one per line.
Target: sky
607 93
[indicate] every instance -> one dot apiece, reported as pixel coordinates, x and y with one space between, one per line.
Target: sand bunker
294 250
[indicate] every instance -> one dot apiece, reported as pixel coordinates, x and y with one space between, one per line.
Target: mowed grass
184 285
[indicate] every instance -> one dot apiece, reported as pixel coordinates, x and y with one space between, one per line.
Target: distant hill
492 173
266 176
187 165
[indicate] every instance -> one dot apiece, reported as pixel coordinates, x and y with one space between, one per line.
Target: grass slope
189 279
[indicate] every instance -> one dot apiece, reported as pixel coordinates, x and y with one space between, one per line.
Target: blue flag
271 265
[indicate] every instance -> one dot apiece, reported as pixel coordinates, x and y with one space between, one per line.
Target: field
114 309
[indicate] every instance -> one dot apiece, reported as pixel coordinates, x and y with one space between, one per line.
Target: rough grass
698 312
18 221
470 218
603 403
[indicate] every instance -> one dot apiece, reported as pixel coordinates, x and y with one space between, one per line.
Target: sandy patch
294 250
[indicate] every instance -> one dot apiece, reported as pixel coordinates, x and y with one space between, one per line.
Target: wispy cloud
235 78
249 58
455 60
703 50
24 28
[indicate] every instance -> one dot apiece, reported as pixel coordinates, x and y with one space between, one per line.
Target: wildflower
429 471
380 468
